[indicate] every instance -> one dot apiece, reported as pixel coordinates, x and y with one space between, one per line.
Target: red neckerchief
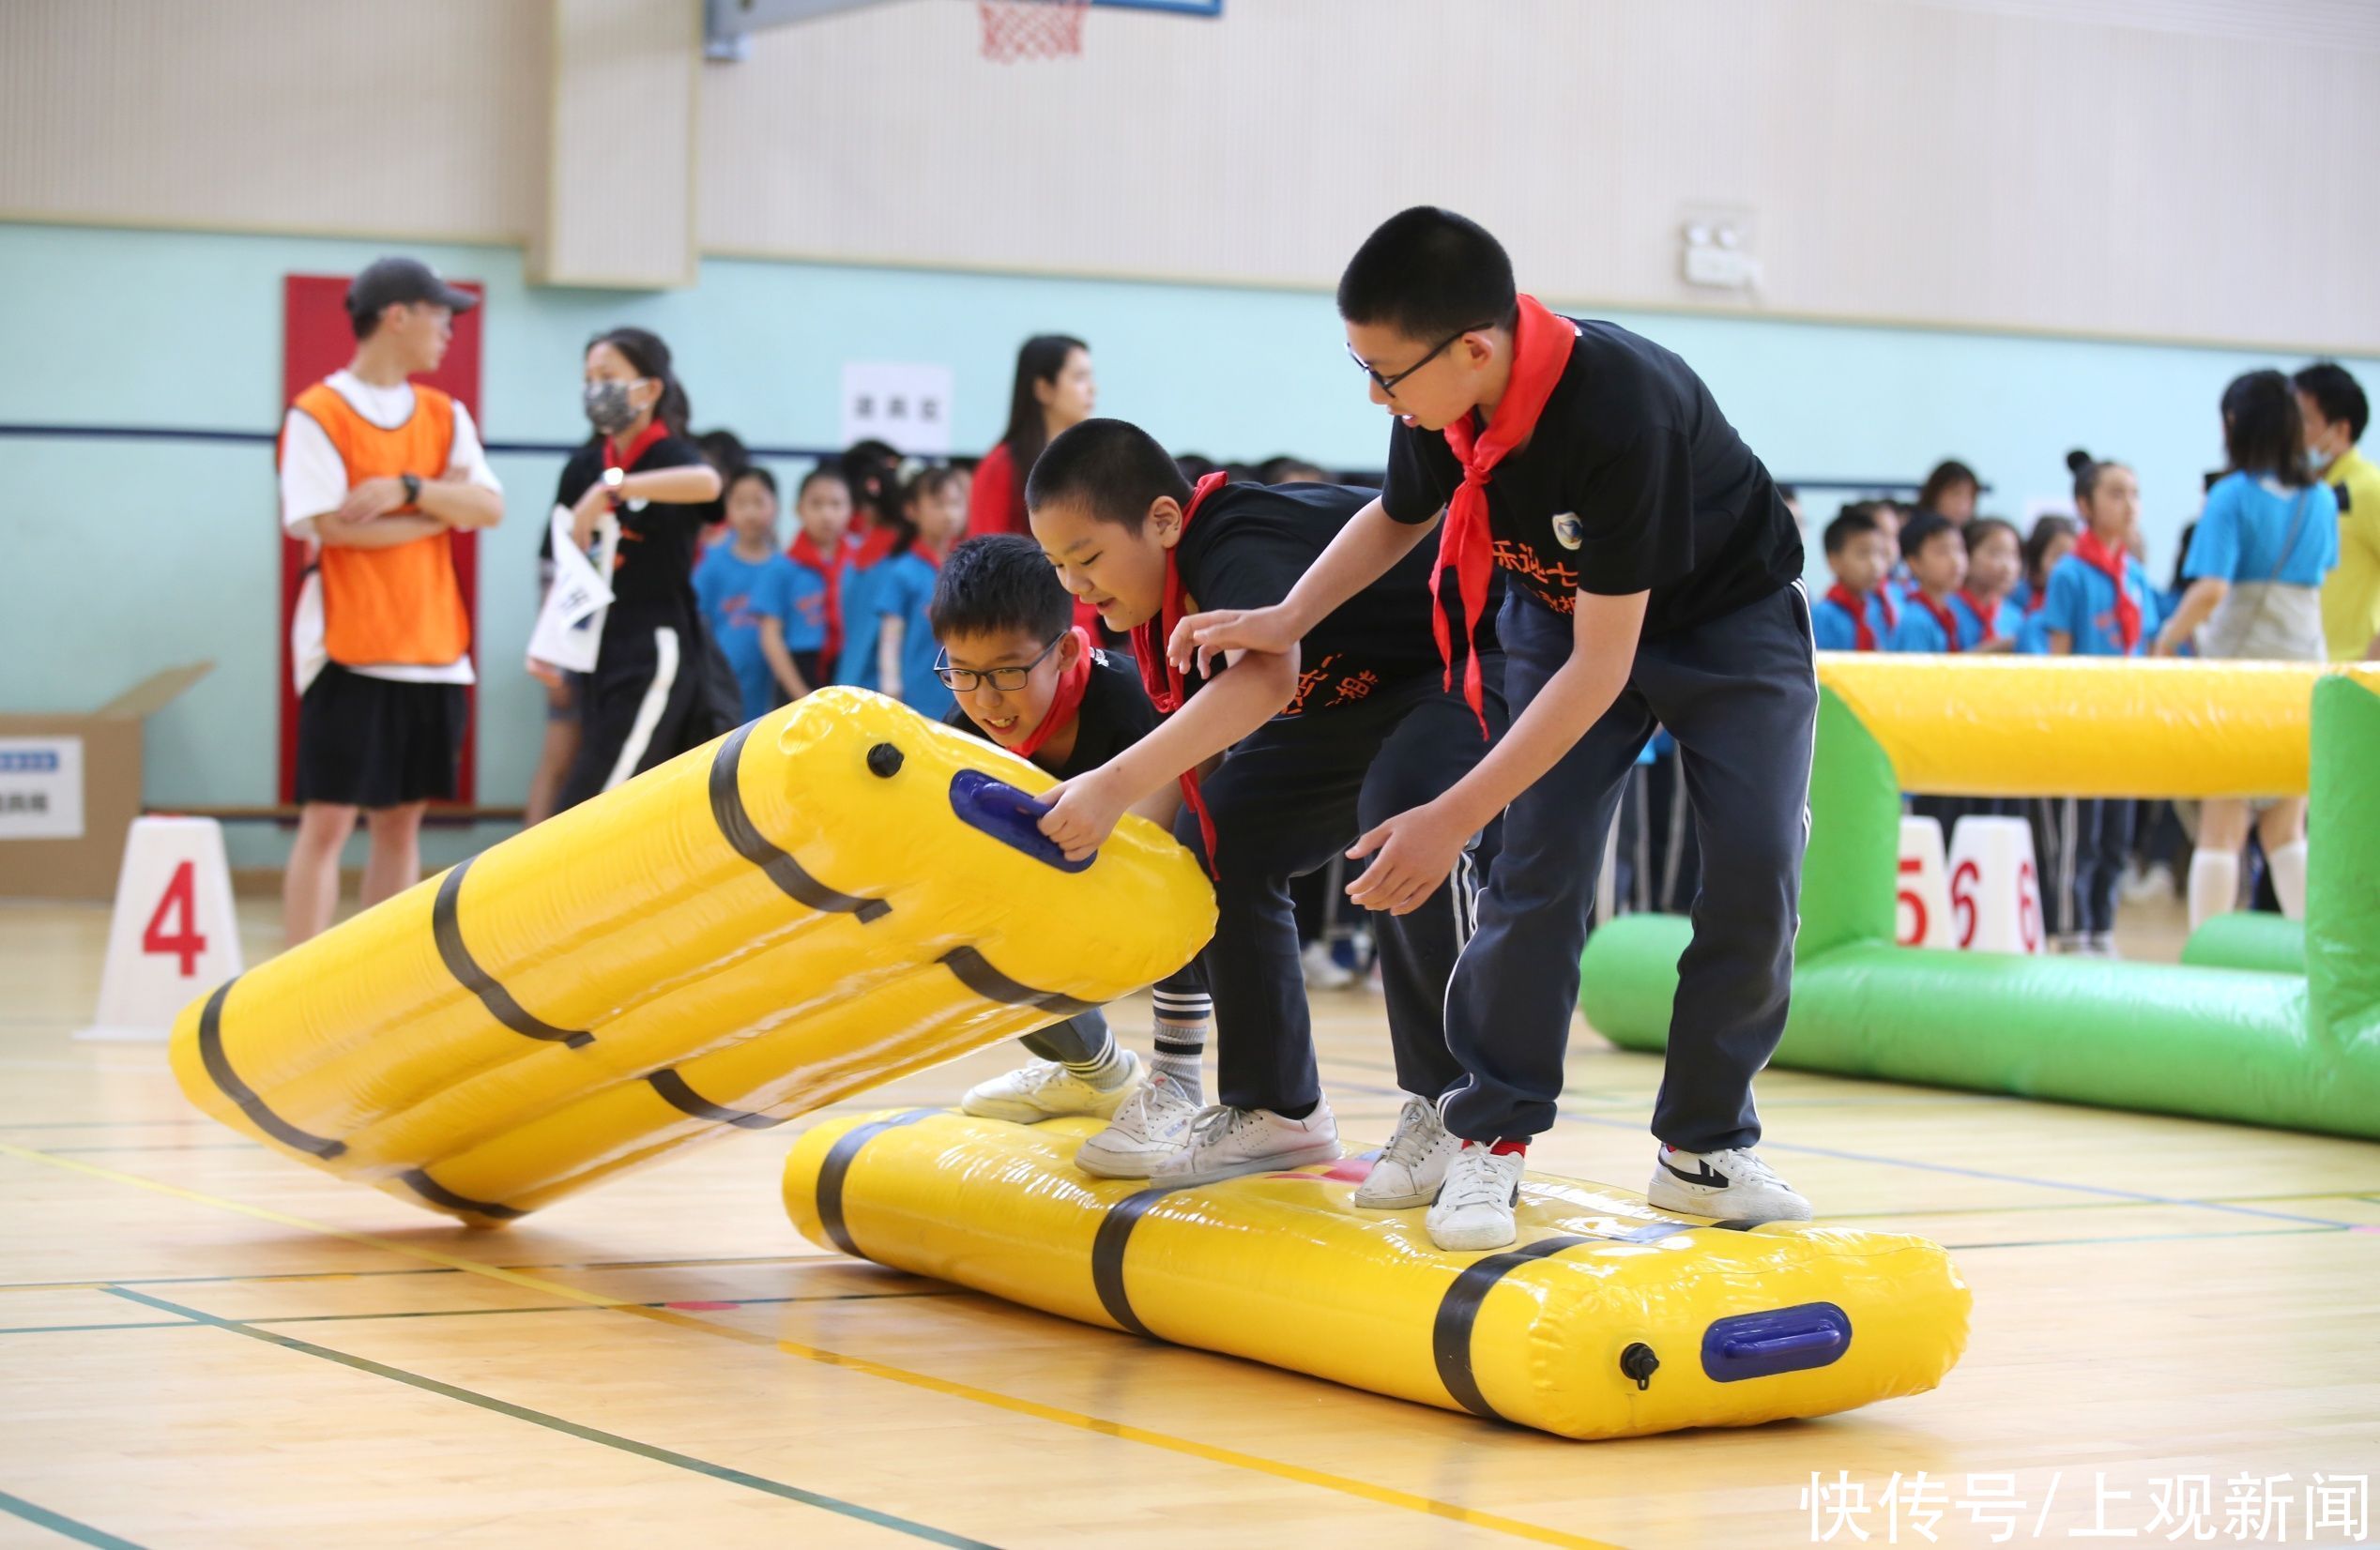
2035 596
1541 344
1985 615
1940 614
1069 699
1158 674
1863 634
806 553
616 457
2108 560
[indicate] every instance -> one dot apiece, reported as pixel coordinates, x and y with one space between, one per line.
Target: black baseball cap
393 281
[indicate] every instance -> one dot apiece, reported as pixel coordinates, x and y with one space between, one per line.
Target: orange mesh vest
400 606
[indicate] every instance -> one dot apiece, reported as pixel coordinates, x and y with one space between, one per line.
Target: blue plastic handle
1009 816
1779 1339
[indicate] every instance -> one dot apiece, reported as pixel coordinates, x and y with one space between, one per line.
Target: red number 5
186 944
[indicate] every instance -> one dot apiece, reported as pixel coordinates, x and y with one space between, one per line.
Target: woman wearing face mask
643 702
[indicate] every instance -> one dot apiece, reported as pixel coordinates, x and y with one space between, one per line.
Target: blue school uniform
736 594
896 587
1834 629
2007 620
2082 605
2033 635
1919 632
2258 530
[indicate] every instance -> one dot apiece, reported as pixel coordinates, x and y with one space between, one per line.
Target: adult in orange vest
376 471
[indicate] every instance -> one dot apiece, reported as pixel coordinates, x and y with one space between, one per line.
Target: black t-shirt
1115 714
655 566
1251 542
1633 481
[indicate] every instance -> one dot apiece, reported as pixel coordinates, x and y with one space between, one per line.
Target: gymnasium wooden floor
202 1344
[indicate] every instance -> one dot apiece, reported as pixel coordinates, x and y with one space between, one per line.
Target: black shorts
813 671
374 742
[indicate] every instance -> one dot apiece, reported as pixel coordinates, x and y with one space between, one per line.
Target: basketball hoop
1033 29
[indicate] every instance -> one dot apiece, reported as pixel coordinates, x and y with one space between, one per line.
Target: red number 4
186 943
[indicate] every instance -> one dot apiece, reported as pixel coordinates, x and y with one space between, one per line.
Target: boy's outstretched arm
1085 810
1413 852
1365 548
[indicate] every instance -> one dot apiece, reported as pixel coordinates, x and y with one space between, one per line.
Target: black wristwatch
412 488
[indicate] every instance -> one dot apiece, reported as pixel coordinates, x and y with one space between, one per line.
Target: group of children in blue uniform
848 601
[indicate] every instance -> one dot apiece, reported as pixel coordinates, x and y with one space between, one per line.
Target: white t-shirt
313 480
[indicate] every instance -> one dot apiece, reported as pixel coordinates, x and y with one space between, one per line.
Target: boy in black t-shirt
1327 735
1653 569
1029 681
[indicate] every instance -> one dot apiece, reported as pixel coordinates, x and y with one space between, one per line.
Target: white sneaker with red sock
1410 1168
1474 1204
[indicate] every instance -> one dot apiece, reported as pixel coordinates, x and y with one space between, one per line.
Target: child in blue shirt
1937 558
746 589
1987 620
2267 537
888 643
2051 540
821 555
1855 615
2101 603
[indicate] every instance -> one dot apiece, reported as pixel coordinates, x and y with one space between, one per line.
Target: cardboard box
70 787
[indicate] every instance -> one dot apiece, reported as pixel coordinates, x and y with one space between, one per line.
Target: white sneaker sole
1370 1202
1718 1208
1279 1163
1020 1113
1470 1239
1101 1163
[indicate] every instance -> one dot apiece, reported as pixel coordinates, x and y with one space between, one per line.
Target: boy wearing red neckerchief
1030 680
1653 569
1319 739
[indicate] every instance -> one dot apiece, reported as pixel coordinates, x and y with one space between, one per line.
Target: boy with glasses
1030 680
1652 571
1319 739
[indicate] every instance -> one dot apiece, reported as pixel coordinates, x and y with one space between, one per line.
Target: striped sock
1180 1038
1104 1069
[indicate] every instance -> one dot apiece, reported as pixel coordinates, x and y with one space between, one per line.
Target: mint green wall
128 557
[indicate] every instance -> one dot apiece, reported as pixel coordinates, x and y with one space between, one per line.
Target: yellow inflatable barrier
1608 1319
832 896
2085 726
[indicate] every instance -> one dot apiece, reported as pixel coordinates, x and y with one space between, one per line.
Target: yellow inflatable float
1606 1319
833 895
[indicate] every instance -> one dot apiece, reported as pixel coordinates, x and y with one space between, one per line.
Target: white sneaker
1047 1091
1474 1205
1322 971
1733 1185
1409 1172
1225 1142
1147 1128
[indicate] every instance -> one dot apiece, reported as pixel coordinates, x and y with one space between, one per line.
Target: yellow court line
1347 1485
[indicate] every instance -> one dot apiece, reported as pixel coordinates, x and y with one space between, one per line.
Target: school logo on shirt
1568 531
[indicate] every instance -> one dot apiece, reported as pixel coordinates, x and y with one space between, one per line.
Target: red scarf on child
2108 560
1071 685
1541 343
1158 674
1986 615
1863 635
831 571
1940 614
616 456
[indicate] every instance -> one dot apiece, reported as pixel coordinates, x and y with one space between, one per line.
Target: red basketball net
1033 29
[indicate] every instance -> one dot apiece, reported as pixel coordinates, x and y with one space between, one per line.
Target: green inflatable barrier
2247 940
2294 1049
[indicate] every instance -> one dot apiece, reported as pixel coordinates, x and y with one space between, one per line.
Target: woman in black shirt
643 704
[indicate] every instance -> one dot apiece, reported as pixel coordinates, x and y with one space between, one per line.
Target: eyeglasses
1008 681
1388 385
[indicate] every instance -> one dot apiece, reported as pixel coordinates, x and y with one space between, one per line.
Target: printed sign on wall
40 788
